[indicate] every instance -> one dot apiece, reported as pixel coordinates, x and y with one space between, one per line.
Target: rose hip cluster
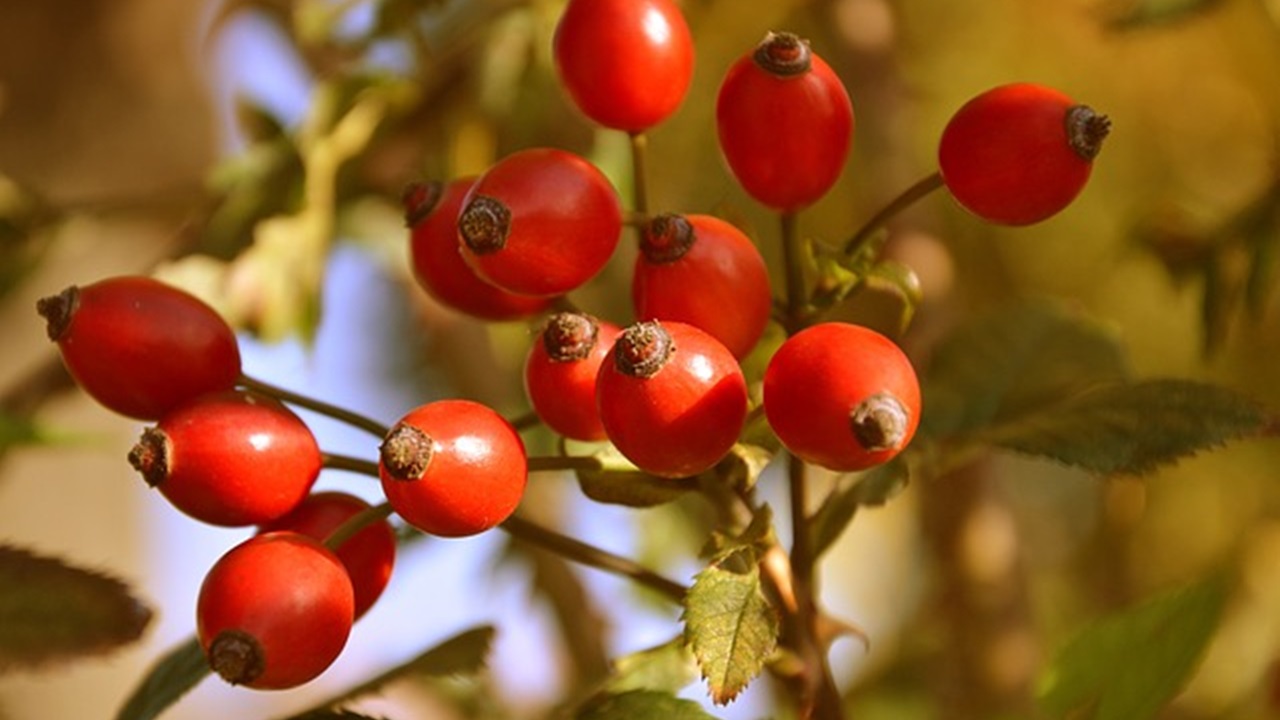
667 391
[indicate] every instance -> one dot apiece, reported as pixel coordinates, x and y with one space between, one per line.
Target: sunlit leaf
1131 664
171 677
1133 428
730 625
50 611
669 667
872 488
643 705
1008 363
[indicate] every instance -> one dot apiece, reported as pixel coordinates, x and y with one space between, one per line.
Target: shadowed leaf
1135 427
171 677
869 489
643 705
618 482
1012 362
50 611
462 654
1145 13
1130 665
730 625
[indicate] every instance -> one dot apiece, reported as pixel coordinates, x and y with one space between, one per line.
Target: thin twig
592 556
369 425
907 198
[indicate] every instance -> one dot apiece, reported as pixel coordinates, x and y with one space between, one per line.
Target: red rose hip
703 271
453 468
842 396
560 373
672 398
1019 153
232 459
431 211
274 612
785 123
139 346
540 222
626 64
369 555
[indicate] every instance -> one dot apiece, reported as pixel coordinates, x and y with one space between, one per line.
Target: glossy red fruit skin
784 137
626 64
290 594
720 284
684 418
141 347
816 379
564 222
437 260
563 392
476 475
232 459
1006 155
369 556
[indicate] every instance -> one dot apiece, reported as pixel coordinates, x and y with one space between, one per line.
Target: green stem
792 255
355 524
333 461
542 463
526 421
369 425
592 556
639 175
906 199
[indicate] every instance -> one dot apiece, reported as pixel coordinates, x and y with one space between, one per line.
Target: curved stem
906 199
355 524
369 425
592 556
639 174
333 461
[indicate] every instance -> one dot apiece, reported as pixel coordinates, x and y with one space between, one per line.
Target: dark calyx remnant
783 54
666 238
1086 130
236 656
57 311
150 456
406 452
880 422
643 349
570 336
484 224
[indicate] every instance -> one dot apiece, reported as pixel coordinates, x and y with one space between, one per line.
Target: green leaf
1133 428
869 489
462 654
1129 665
171 677
669 667
1012 362
618 482
730 625
643 705
50 611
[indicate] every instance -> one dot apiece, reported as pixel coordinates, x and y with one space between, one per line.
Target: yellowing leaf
730 626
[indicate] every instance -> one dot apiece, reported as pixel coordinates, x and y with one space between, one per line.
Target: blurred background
254 152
